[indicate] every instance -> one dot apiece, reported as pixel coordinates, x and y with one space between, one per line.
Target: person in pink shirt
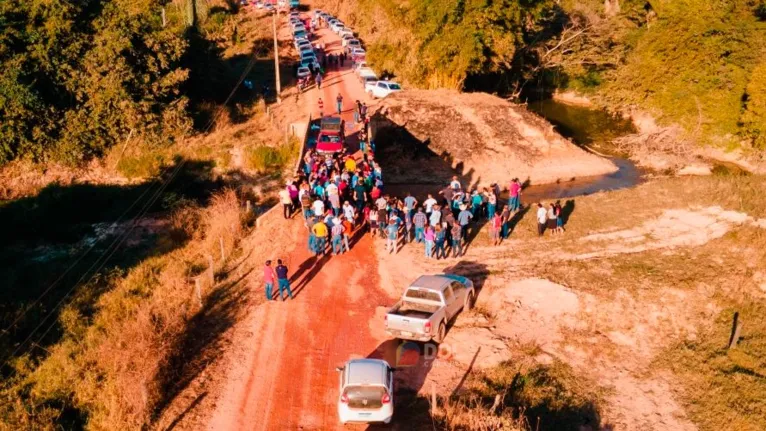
430 235
515 191
268 278
495 225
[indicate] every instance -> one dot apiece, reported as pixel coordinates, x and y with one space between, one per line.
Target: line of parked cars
301 36
373 86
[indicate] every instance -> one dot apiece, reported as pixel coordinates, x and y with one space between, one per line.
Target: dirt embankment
427 135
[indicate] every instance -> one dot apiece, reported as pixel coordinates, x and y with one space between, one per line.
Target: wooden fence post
736 329
223 253
248 209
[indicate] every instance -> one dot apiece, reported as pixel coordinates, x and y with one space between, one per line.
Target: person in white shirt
542 218
455 184
348 212
318 207
429 204
287 203
331 189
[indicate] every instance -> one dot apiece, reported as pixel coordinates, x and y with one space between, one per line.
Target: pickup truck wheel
469 301
442 333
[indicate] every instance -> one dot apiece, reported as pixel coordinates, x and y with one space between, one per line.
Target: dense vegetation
79 77
697 63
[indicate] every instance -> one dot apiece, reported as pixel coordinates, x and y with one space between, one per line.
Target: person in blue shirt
463 218
409 203
392 231
282 280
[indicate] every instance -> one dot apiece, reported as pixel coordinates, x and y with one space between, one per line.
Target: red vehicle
331 135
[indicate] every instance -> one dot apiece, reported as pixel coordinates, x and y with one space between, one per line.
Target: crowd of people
340 196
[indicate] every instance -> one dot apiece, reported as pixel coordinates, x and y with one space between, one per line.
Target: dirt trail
287 379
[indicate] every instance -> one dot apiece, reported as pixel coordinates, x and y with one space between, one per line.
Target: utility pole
275 17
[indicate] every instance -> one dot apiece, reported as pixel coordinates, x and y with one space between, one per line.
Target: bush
112 366
264 159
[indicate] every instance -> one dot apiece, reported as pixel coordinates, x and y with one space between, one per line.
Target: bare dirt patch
481 137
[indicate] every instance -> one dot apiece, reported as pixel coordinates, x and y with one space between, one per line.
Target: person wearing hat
337 236
463 218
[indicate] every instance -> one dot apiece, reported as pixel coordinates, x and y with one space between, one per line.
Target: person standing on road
269 277
284 282
348 212
463 219
320 232
542 218
334 199
410 203
339 101
457 245
337 237
357 108
363 111
393 236
318 207
429 204
318 80
360 195
419 220
440 235
348 228
429 236
287 203
292 191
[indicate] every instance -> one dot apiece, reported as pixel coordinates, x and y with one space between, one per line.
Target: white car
300 43
381 89
344 32
337 26
366 391
345 38
318 12
352 44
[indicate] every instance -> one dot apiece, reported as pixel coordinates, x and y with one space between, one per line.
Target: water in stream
586 127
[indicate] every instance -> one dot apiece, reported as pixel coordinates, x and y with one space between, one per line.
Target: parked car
428 305
358 66
381 89
306 61
303 72
268 7
367 75
318 12
352 44
344 32
332 134
301 43
337 26
345 38
300 34
366 392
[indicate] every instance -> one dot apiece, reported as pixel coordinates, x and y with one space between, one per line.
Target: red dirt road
287 380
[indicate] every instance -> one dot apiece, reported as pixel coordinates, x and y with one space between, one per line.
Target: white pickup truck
381 89
428 305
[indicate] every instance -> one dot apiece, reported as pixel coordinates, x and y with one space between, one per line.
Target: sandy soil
483 138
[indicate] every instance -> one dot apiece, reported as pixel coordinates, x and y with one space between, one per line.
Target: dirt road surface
287 380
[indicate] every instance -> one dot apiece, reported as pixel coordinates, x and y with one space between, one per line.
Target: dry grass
112 364
521 395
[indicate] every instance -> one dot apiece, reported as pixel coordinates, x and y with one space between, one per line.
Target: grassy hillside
695 63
